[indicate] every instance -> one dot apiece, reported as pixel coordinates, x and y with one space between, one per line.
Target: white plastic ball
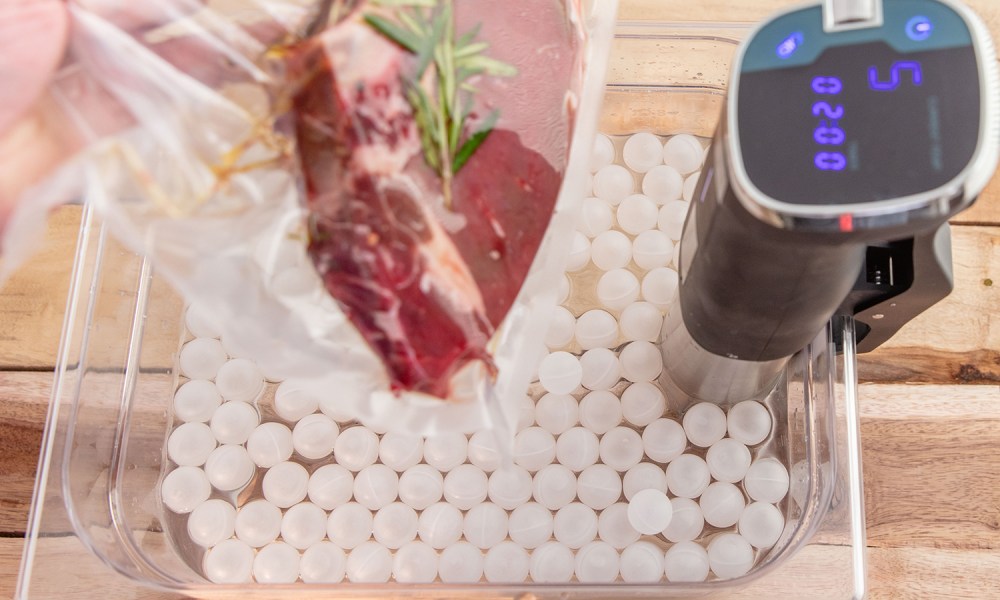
196 401
560 373
652 249
595 218
465 486
597 562
687 523
766 480
643 403
577 448
575 525
330 486
749 422
506 562
230 561
399 451
394 525
184 488
258 523
641 321
239 380
686 562
650 511
662 184
229 467
421 486
552 562
294 400
644 476
356 448
611 250
211 522
369 562
201 322
728 460
596 328
642 562
621 448
286 484
440 525
601 369
761 524
233 422
563 289
722 504
554 486
562 328
704 424
663 440
554 413
579 252
687 476
612 183
445 451
602 153
684 153
201 358
314 436
637 214
598 486
323 562
190 444
376 486
671 218
509 487
534 448
270 444
690 185
530 525
659 287
277 562
642 152
349 525
614 527
484 451
600 411
617 288
641 361
485 525
303 525
730 555
525 413
415 562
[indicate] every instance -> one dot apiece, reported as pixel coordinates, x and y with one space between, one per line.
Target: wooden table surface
930 406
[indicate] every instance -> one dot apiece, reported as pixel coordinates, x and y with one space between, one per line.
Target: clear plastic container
98 525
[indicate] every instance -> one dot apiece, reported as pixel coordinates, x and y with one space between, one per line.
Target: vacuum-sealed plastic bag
372 197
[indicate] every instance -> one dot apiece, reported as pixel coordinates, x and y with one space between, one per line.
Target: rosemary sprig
426 28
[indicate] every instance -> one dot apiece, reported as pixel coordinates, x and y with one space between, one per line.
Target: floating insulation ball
749 422
642 152
440 525
643 403
577 448
611 250
554 413
330 486
641 321
233 422
766 480
400 451
509 487
356 448
662 183
303 525
415 562
560 372
664 440
659 287
323 562
684 153
671 218
617 288
761 524
722 504
270 444
395 525
239 380
190 444
637 214
229 467
690 185
376 486
201 358
286 484
614 528
575 525
534 448
315 436
603 152
184 488
294 400
554 486
258 523
562 328
650 511
201 322
552 562
612 183
579 252
728 460
506 562
421 486
730 555
644 476
530 525
596 329
687 522
445 451
483 449
595 218
349 525
704 424
466 486
600 411
686 562
597 562
370 562
641 362
687 476
599 486
230 561
621 448
211 522
485 525
642 562
652 249
196 401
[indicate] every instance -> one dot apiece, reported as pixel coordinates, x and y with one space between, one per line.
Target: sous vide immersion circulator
852 131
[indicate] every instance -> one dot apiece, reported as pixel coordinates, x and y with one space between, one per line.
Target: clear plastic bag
213 175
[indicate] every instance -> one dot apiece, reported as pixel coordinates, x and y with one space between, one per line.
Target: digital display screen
861 123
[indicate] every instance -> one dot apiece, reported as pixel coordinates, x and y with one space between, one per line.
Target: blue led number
823 109
876 83
827 85
828 134
830 161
